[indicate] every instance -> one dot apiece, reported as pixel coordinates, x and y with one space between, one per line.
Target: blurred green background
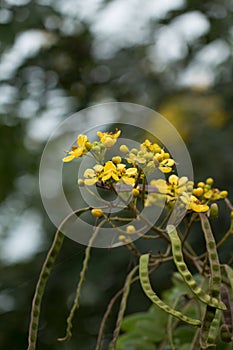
58 57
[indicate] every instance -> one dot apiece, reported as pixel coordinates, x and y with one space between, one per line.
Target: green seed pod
146 286
210 328
227 314
225 333
186 274
40 288
215 272
229 273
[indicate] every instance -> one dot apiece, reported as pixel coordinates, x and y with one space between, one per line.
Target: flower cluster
97 148
110 172
83 146
198 201
149 157
138 163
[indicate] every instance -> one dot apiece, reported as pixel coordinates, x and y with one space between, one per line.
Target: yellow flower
166 165
93 175
194 204
110 171
198 207
77 151
161 185
108 139
129 176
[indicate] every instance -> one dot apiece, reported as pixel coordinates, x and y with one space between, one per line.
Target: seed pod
146 286
209 328
227 316
225 333
186 274
215 273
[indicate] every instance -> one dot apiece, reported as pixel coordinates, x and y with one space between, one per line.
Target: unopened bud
210 181
80 182
124 149
223 194
98 213
135 192
198 191
116 160
214 210
130 229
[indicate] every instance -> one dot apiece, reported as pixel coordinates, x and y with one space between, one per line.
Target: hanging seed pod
215 273
186 274
209 328
146 286
227 327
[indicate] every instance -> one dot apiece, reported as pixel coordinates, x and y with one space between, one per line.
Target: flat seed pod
146 286
186 274
215 272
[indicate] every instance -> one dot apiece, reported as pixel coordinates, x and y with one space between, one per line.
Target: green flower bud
124 149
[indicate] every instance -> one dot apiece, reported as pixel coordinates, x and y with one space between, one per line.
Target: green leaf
133 341
130 322
146 325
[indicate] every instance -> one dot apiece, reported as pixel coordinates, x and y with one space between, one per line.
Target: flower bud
135 192
80 182
109 142
223 194
130 229
88 145
210 181
96 149
124 149
198 191
214 210
116 160
98 213
121 238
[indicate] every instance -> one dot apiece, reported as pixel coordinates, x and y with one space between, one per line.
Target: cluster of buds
149 157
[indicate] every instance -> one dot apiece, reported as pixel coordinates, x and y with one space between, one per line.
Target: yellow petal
131 171
78 152
109 166
89 173
106 176
90 182
199 208
168 162
160 184
98 168
68 159
128 180
117 134
108 141
173 179
82 139
100 134
114 176
121 166
165 169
